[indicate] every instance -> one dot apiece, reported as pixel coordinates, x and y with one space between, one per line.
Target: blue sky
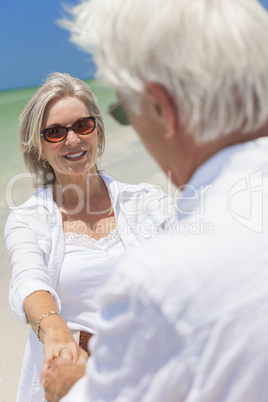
32 45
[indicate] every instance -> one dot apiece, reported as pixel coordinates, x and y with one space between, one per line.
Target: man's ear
164 107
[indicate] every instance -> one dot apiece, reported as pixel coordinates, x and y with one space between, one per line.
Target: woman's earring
46 165
99 152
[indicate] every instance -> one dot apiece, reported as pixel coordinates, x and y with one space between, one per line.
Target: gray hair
57 85
210 55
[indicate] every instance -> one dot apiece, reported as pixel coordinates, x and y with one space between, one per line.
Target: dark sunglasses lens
55 134
84 126
118 114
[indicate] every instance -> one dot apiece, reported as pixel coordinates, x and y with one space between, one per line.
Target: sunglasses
82 126
118 113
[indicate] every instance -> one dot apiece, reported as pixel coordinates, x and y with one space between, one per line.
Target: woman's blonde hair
57 85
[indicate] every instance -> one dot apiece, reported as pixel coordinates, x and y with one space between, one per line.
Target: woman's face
75 155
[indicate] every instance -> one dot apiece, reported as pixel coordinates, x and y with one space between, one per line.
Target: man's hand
61 376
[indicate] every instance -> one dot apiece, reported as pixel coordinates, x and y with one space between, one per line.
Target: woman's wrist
53 329
41 319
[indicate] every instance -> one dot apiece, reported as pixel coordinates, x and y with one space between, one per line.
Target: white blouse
87 264
36 247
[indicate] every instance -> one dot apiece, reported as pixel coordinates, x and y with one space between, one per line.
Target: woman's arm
53 331
31 294
28 260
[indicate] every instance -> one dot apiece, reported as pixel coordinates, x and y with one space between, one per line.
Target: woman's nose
72 138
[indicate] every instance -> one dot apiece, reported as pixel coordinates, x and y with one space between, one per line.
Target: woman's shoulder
141 198
128 188
43 196
38 206
33 213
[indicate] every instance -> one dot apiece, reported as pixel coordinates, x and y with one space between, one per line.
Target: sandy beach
126 160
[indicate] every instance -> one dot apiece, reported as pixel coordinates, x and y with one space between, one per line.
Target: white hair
210 55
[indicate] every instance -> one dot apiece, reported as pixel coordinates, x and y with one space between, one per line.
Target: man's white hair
210 55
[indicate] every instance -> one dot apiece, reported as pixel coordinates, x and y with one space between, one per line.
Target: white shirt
188 320
35 242
88 263
35 245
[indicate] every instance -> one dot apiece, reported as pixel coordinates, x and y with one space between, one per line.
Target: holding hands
64 361
60 344
61 376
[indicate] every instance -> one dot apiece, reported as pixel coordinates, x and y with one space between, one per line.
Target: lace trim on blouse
89 243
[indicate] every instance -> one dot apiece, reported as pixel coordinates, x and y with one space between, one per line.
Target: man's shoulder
186 276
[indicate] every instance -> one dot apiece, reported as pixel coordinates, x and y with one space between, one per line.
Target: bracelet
38 323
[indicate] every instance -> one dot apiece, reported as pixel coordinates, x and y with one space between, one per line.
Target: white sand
126 160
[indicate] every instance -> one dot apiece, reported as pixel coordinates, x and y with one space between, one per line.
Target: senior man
186 317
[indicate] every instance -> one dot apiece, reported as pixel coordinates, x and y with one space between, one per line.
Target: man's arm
134 355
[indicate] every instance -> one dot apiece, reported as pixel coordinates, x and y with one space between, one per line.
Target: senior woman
64 241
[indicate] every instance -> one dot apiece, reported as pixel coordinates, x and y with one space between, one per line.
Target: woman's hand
61 345
53 331
60 377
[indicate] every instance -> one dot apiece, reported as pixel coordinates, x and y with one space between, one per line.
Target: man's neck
190 157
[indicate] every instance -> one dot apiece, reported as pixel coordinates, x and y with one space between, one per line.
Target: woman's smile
75 156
